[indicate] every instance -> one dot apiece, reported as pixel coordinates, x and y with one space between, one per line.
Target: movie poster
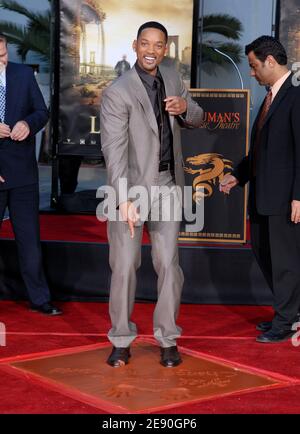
96 47
289 25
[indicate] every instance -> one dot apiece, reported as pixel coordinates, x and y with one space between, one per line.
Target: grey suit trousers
125 259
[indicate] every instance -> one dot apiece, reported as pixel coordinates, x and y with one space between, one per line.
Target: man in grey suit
140 118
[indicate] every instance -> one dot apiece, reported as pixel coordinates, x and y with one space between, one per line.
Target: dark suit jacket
24 101
278 154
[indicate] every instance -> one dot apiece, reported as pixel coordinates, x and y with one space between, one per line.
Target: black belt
165 165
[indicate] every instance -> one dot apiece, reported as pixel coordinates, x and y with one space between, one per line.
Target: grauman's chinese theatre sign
209 153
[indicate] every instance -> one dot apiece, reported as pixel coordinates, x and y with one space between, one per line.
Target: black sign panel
212 151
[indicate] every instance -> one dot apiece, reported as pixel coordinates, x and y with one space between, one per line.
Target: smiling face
150 47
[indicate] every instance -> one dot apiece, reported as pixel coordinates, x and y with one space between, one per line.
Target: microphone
231 60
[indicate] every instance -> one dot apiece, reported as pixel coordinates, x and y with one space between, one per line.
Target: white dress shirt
3 77
276 86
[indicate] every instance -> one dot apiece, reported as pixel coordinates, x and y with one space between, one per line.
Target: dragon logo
210 171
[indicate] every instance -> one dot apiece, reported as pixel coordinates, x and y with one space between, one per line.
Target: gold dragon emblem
211 171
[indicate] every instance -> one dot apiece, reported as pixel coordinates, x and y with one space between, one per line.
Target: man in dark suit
22 114
273 169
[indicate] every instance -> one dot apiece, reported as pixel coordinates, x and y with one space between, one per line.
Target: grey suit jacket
129 131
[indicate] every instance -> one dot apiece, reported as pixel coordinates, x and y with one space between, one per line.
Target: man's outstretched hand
227 183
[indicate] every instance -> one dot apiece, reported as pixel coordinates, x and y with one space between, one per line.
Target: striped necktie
2 102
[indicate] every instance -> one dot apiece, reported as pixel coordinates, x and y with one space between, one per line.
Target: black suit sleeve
296 133
38 113
242 171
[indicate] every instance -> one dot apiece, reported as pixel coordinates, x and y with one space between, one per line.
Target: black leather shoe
272 337
46 309
264 326
170 357
119 357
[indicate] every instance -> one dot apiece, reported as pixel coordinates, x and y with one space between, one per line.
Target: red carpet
77 228
74 228
225 332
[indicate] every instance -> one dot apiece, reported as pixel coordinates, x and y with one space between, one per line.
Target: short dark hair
153 25
3 38
265 46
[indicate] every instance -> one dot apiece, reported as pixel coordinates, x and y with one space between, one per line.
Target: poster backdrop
95 47
209 153
289 24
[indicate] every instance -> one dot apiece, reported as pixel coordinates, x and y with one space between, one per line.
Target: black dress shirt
155 89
